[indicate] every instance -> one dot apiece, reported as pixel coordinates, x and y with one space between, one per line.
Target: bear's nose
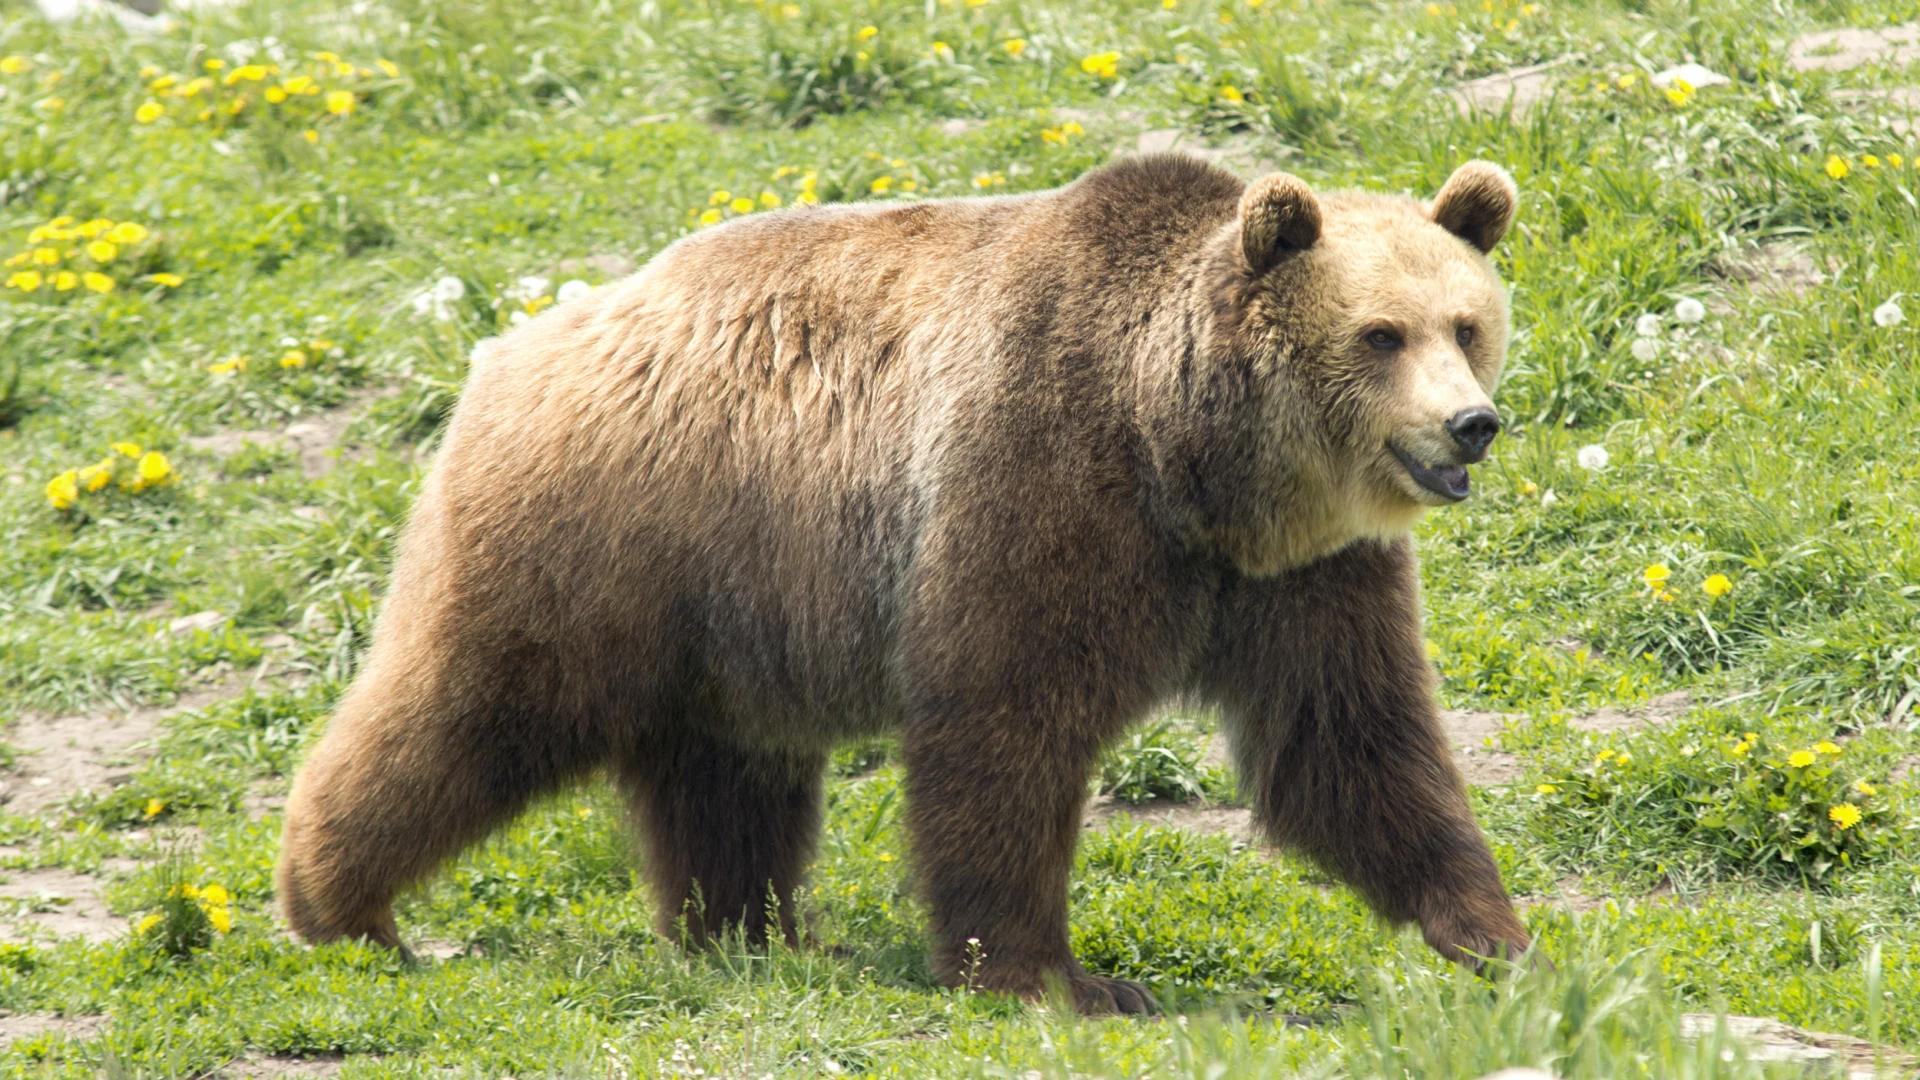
1473 429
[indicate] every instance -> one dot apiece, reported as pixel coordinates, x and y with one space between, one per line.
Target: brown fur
998 474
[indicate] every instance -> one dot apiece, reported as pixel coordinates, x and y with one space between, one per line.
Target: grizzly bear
999 475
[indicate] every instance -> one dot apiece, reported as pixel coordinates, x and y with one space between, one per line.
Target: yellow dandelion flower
1546 789
388 68
90 229
1895 161
1072 128
720 198
96 281
171 281
220 919
1014 46
149 111
46 256
64 490
66 281
1433 10
154 468
102 250
213 63
216 895
1102 65
93 478
1656 576
14 65
1869 161
1826 746
127 233
1844 816
228 366
340 102
147 923
125 449
155 807
1716 585
342 69
941 51
293 358
310 135
1169 5
1837 167
1865 787
24 280
711 216
1800 759
867 33
770 200
275 95
1232 93
298 84
881 185
741 205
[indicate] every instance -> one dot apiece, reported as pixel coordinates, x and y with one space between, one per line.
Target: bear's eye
1464 336
1384 340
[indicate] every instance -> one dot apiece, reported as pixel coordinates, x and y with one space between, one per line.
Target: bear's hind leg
728 833
405 776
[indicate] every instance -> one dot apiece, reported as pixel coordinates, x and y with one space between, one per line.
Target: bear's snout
1473 430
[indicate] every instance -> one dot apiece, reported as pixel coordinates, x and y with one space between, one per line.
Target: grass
1770 442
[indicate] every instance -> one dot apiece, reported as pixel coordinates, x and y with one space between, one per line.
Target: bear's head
1346 375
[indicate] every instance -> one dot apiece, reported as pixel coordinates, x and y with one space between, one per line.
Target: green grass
1771 443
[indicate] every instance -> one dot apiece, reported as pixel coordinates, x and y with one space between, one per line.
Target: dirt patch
1242 154
1520 89
1832 1055
1782 266
52 902
316 440
1851 47
1106 811
1664 709
23 1026
63 755
1900 105
1471 733
282 1065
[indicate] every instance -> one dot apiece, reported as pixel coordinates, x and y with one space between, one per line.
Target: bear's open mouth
1450 482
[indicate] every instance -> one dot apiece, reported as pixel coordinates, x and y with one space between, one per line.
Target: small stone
1694 75
208 621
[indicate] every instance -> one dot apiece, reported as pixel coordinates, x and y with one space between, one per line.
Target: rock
1772 1041
208 621
1852 47
1696 76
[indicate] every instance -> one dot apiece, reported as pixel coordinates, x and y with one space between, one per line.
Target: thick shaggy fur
997 474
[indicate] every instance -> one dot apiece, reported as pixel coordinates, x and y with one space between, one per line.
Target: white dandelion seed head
449 289
1647 325
531 287
1889 314
515 318
1689 311
1593 458
1549 498
1645 349
572 290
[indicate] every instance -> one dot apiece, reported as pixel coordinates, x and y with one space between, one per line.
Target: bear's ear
1476 204
1278 214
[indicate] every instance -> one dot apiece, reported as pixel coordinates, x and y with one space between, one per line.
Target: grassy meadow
247 258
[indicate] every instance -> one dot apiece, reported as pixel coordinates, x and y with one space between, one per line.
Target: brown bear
997 474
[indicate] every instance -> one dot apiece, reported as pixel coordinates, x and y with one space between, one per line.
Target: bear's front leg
994 806
1329 699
